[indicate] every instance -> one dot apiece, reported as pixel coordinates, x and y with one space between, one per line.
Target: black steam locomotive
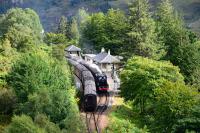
88 83
100 78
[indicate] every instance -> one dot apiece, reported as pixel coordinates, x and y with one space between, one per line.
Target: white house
106 61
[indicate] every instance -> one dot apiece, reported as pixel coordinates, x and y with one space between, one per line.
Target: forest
160 79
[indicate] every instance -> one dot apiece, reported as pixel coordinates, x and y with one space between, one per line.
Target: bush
43 122
123 120
7 101
57 105
23 124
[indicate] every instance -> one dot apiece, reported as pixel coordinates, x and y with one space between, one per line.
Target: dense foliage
21 27
107 31
141 76
35 84
160 79
174 103
23 124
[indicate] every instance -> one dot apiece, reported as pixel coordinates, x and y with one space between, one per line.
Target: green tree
74 31
33 72
190 122
22 27
187 58
82 16
181 44
107 30
25 17
171 28
142 36
46 102
174 102
43 85
141 76
43 122
62 26
23 124
58 51
52 38
95 31
116 27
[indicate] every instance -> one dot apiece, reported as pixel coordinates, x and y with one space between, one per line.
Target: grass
123 119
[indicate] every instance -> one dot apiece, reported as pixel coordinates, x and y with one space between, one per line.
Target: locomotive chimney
109 51
102 50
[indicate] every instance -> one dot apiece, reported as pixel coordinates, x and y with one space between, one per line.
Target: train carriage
99 77
89 87
90 96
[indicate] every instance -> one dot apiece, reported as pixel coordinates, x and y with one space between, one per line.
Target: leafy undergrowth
123 119
4 121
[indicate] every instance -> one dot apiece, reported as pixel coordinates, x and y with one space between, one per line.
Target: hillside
50 11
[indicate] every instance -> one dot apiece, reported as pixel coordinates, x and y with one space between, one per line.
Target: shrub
23 124
7 101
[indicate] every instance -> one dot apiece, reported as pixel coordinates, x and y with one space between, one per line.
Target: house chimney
109 51
102 50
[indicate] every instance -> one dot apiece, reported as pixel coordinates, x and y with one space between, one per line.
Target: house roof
72 48
90 55
105 58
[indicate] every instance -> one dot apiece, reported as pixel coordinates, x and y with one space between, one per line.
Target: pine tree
74 32
62 26
182 48
171 27
142 36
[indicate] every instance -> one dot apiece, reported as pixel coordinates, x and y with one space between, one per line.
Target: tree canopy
141 76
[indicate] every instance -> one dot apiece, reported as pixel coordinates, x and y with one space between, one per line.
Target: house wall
74 53
88 59
106 67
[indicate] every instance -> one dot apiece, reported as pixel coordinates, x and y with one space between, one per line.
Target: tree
142 36
26 17
95 31
33 71
43 85
171 28
23 124
58 105
52 38
22 27
181 44
107 30
116 27
141 76
74 31
43 122
187 58
82 16
62 26
174 102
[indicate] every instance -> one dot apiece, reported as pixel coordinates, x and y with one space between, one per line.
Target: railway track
93 119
